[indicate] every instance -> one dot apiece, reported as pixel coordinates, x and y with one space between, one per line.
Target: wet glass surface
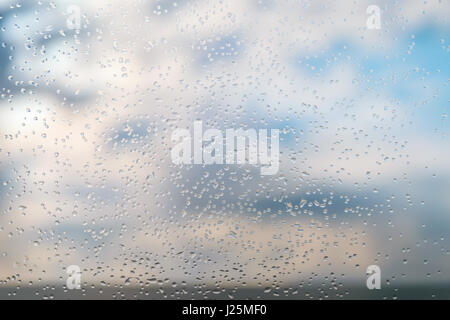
118 180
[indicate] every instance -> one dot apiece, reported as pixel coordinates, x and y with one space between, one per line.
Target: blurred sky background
86 118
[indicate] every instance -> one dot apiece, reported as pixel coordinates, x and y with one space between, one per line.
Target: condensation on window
203 149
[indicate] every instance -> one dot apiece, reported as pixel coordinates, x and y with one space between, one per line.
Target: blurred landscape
86 178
